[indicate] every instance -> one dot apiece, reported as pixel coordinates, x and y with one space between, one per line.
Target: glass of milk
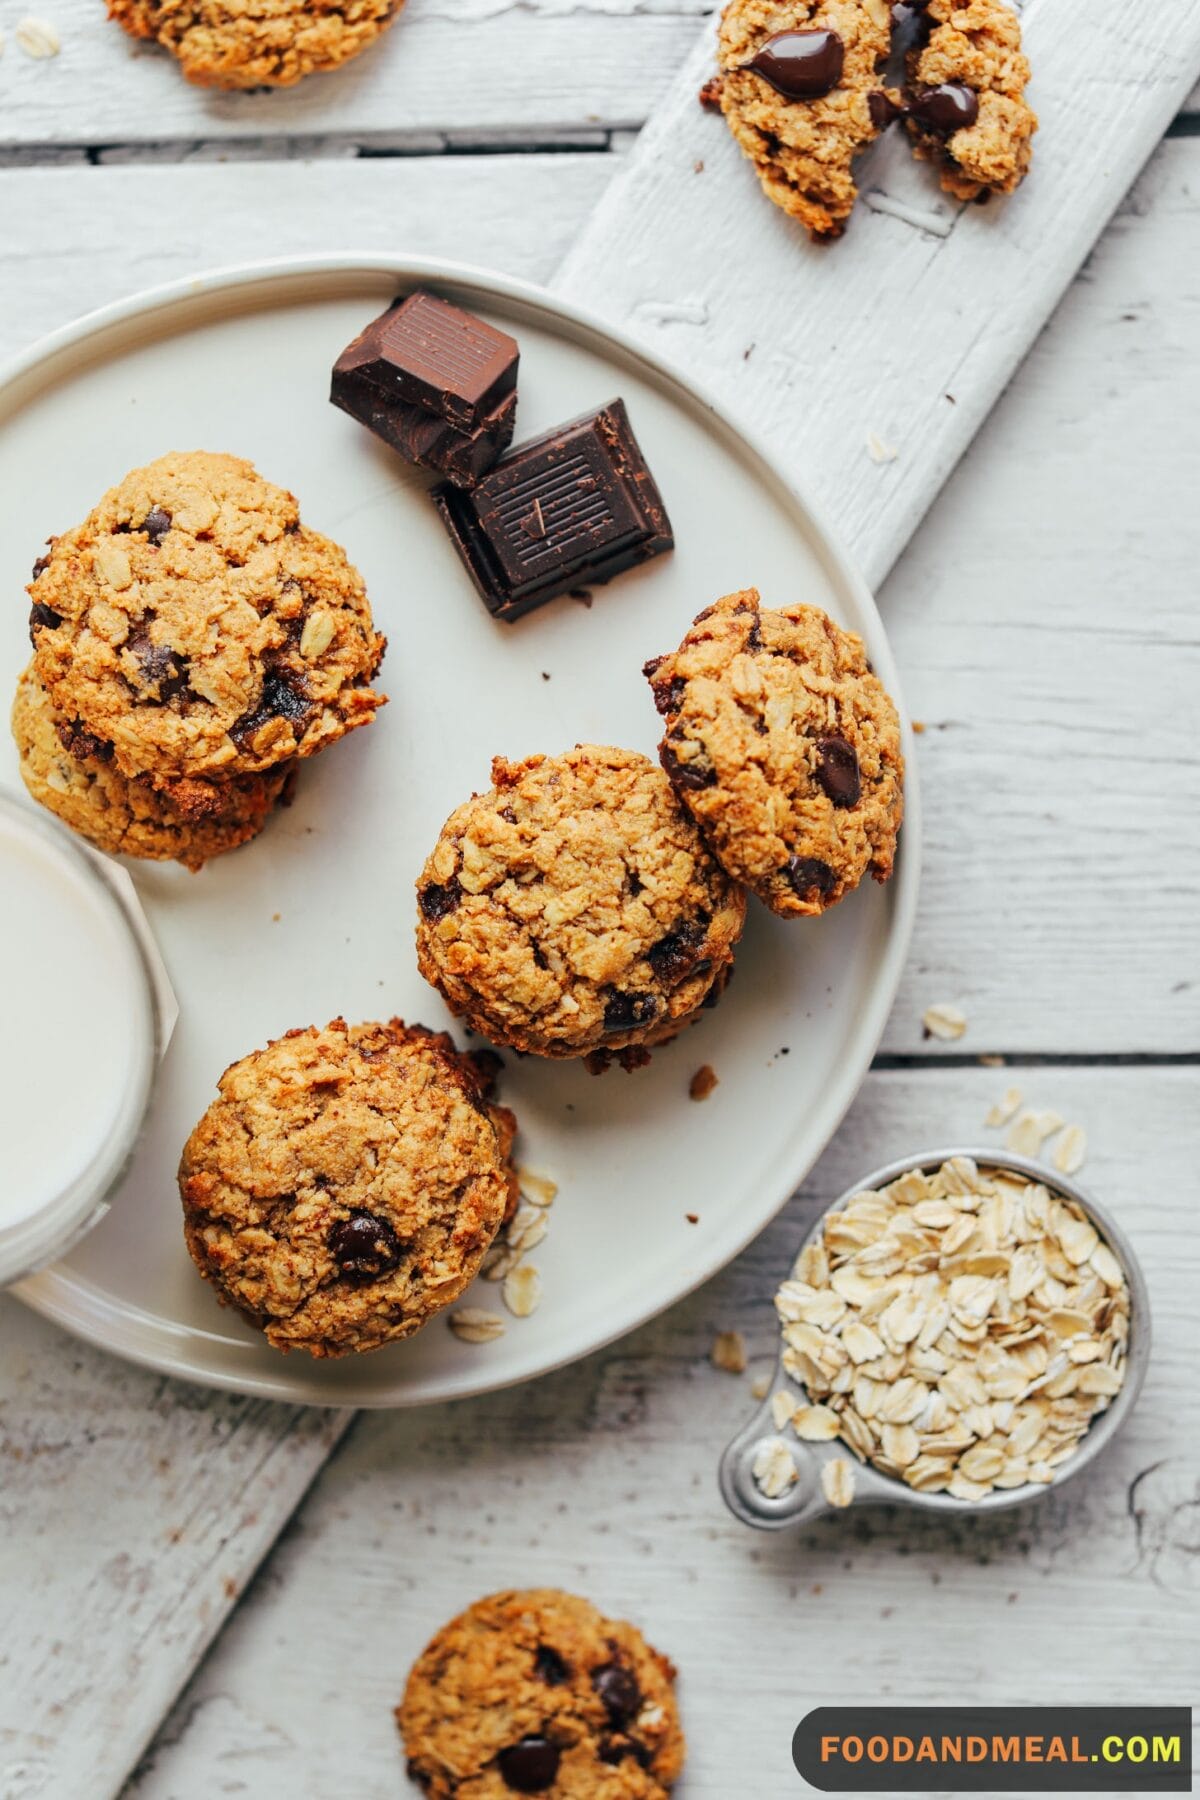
84 1012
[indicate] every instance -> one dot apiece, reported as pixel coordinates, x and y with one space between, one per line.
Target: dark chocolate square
422 437
577 505
424 352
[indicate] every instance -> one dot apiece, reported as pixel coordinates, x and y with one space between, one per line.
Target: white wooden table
1044 620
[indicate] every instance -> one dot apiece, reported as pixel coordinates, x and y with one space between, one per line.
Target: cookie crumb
703 1082
729 1352
692 1218
878 451
275 918
943 1021
918 726
710 94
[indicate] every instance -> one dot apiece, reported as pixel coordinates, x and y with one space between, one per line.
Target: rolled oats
837 1481
943 1021
475 1326
774 1468
729 1352
522 1290
958 1330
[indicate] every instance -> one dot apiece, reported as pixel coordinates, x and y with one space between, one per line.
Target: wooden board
910 327
449 71
602 1479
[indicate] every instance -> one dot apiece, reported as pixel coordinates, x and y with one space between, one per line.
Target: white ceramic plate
316 918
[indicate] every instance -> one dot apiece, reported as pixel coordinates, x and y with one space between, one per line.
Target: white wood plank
602 1479
133 1511
446 66
821 346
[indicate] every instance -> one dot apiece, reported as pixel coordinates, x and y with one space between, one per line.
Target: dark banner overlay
1007 1749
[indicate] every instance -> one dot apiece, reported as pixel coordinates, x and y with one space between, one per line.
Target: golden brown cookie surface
803 145
967 110
575 908
785 748
131 817
192 623
345 1185
271 43
535 1692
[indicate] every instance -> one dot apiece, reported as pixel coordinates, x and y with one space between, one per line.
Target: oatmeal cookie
966 107
801 90
273 43
193 624
575 907
344 1187
535 1692
78 782
785 748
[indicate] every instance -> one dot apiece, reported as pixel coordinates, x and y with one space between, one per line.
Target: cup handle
805 1498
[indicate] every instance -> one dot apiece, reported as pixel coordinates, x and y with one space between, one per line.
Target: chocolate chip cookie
966 108
575 908
535 1692
801 88
77 780
273 43
785 748
194 626
344 1187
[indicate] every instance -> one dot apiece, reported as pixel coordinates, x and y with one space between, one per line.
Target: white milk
77 1038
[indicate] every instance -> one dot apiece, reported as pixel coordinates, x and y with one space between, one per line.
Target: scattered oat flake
703 1082
878 451
1003 1110
760 1387
1030 1130
37 38
774 1468
475 1326
1071 1150
498 1261
944 1021
729 1352
837 1481
782 1408
537 1188
529 1226
522 1290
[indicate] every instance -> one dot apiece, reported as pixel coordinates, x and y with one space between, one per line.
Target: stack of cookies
192 642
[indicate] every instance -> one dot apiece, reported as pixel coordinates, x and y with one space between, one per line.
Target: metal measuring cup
805 1499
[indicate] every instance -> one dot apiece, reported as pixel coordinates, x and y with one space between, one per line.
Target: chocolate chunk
625 1012
946 109
710 94
156 524
438 899
616 1688
668 694
698 772
424 352
883 109
82 744
676 956
422 437
529 1767
578 504
807 873
614 1750
364 1246
43 616
837 771
41 565
280 699
801 65
160 668
549 1666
